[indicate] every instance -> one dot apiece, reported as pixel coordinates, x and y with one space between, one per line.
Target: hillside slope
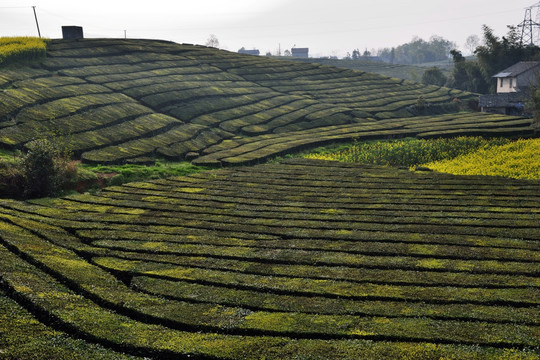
407 72
133 100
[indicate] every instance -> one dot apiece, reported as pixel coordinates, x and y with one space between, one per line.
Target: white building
518 77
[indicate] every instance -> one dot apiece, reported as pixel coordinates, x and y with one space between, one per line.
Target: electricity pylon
528 26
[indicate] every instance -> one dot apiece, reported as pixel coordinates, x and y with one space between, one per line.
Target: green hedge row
209 105
156 252
236 118
142 146
69 105
127 80
190 291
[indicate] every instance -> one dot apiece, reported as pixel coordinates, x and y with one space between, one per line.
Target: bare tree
472 43
212 41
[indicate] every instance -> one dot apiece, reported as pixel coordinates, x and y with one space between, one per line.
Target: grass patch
121 174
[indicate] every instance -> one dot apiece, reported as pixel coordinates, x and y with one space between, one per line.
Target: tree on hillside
466 75
459 78
472 43
356 54
433 76
212 41
533 103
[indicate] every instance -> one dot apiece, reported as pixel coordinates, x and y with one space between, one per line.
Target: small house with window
518 77
513 85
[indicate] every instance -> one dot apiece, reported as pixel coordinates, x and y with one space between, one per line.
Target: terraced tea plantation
134 100
303 259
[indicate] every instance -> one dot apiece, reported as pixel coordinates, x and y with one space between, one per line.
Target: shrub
116 180
12 180
434 76
46 168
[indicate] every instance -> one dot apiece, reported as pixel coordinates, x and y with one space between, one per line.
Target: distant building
300 52
72 32
249 52
513 85
518 77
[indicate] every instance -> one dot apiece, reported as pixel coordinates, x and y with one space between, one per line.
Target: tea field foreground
120 101
300 259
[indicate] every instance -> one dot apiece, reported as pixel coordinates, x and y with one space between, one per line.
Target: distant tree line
418 51
356 54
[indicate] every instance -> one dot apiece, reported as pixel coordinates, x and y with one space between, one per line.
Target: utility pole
37 24
125 34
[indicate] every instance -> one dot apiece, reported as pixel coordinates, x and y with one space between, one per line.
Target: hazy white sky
329 27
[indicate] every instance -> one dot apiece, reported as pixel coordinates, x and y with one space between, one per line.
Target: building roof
517 69
501 100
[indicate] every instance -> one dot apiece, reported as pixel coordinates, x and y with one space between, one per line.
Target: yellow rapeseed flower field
13 49
408 152
519 159
461 156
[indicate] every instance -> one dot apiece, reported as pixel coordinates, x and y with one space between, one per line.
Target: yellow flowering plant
14 49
